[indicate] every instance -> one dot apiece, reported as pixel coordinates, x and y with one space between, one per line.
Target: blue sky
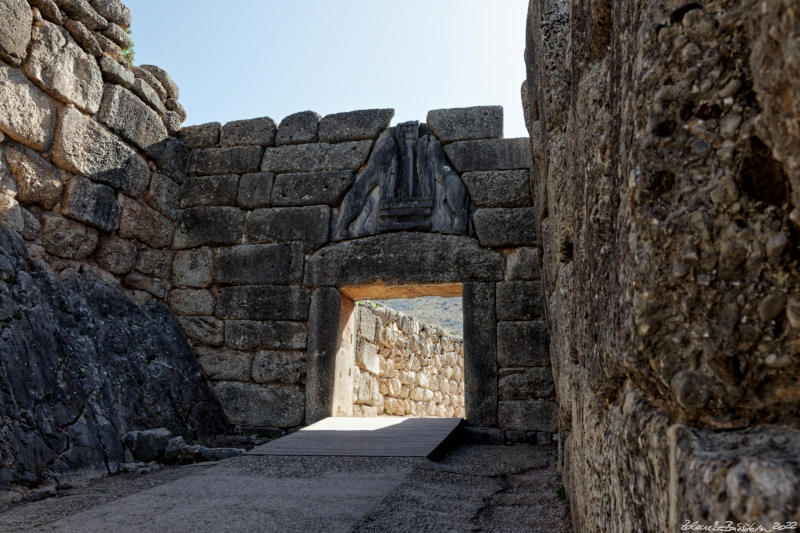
247 58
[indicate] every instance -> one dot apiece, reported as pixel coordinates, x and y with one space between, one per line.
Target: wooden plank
380 436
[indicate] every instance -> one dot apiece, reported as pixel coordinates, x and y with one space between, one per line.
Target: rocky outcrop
664 187
82 364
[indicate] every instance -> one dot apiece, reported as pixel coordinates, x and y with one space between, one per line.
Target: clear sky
239 59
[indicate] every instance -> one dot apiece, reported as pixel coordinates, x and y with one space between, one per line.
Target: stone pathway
472 488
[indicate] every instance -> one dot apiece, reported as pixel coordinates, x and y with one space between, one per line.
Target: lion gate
282 228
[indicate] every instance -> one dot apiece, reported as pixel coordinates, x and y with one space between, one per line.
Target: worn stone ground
472 488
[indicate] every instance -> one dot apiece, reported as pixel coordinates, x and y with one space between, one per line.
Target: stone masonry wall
665 178
404 368
256 241
89 172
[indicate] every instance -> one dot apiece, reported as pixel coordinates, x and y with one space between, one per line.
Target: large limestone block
116 255
403 258
466 123
525 384
255 190
193 268
298 128
15 29
480 342
316 156
205 329
523 344
27 115
506 228
192 302
141 222
259 264
499 188
279 366
308 225
156 263
38 182
222 363
200 136
367 357
91 203
209 190
253 404
524 264
527 415
113 10
255 131
354 125
235 159
166 81
83 11
126 114
85 147
65 238
199 226
311 188
263 302
61 68
147 284
255 335
520 300
164 195
490 154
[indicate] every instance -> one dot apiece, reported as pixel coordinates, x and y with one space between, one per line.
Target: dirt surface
472 488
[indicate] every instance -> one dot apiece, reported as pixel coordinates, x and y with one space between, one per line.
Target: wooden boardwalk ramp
378 436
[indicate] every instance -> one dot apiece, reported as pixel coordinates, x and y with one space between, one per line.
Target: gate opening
400 352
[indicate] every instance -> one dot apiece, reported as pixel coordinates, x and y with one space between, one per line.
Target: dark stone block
209 190
309 225
254 131
480 353
261 405
259 264
298 128
323 333
199 226
524 264
311 188
490 154
263 302
527 415
201 136
505 228
522 344
127 115
499 188
354 125
403 258
164 195
91 203
236 160
525 384
255 335
466 123
255 190
520 300
171 157
316 156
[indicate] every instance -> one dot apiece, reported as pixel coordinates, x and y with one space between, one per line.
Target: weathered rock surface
82 364
354 125
311 188
254 131
298 128
15 29
200 136
27 115
308 225
466 123
316 156
61 68
127 115
259 264
85 147
235 159
262 405
490 154
198 226
38 182
91 203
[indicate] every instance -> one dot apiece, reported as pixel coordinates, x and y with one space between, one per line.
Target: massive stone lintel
398 258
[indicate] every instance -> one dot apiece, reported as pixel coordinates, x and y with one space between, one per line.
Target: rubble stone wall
404 368
665 182
90 172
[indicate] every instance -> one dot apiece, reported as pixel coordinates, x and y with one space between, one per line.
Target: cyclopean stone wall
665 183
401 367
89 171
275 220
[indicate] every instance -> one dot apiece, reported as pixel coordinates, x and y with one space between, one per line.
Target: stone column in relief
480 353
323 332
